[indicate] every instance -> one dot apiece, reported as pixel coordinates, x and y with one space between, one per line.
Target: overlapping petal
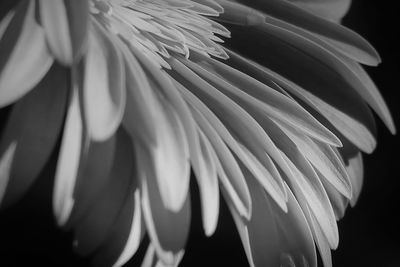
145 94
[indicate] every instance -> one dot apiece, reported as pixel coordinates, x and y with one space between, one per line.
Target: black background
369 233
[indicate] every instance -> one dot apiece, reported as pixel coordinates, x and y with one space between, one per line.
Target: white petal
133 242
65 23
104 92
68 162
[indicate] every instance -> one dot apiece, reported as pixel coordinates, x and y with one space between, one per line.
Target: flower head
142 93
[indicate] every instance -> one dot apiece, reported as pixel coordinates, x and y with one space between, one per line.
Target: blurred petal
23 54
104 92
168 230
42 108
65 23
333 10
72 144
93 173
135 234
92 230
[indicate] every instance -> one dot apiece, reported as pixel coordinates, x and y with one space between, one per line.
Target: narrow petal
323 158
6 161
23 54
104 94
355 168
260 236
42 108
356 132
208 186
72 144
337 101
296 235
231 114
136 233
320 239
228 169
338 201
269 101
310 192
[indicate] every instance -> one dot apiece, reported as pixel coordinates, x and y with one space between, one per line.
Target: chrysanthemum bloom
143 92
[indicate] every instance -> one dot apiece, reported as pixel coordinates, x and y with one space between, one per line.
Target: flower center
161 27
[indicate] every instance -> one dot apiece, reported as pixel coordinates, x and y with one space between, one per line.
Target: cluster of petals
264 103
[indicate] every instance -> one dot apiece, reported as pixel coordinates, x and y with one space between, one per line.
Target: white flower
144 92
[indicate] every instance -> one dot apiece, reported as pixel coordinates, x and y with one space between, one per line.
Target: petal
65 23
126 224
272 236
296 235
199 148
23 54
323 158
310 192
135 234
42 108
170 154
92 231
262 97
168 230
104 92
351 128
319 237
338 201
333 10
72 144
231 114
347 41
338 102
228 169
93 173
355 168
260 236
208 186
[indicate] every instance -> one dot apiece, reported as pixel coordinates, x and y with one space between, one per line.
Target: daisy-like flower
142 93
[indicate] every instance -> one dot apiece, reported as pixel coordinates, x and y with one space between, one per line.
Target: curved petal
310 192
136 232
208 186
347 41
104 94
229 172
260 96
24 54
168 230
333 10
94 228
355 168
93 174
65 23
72 145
